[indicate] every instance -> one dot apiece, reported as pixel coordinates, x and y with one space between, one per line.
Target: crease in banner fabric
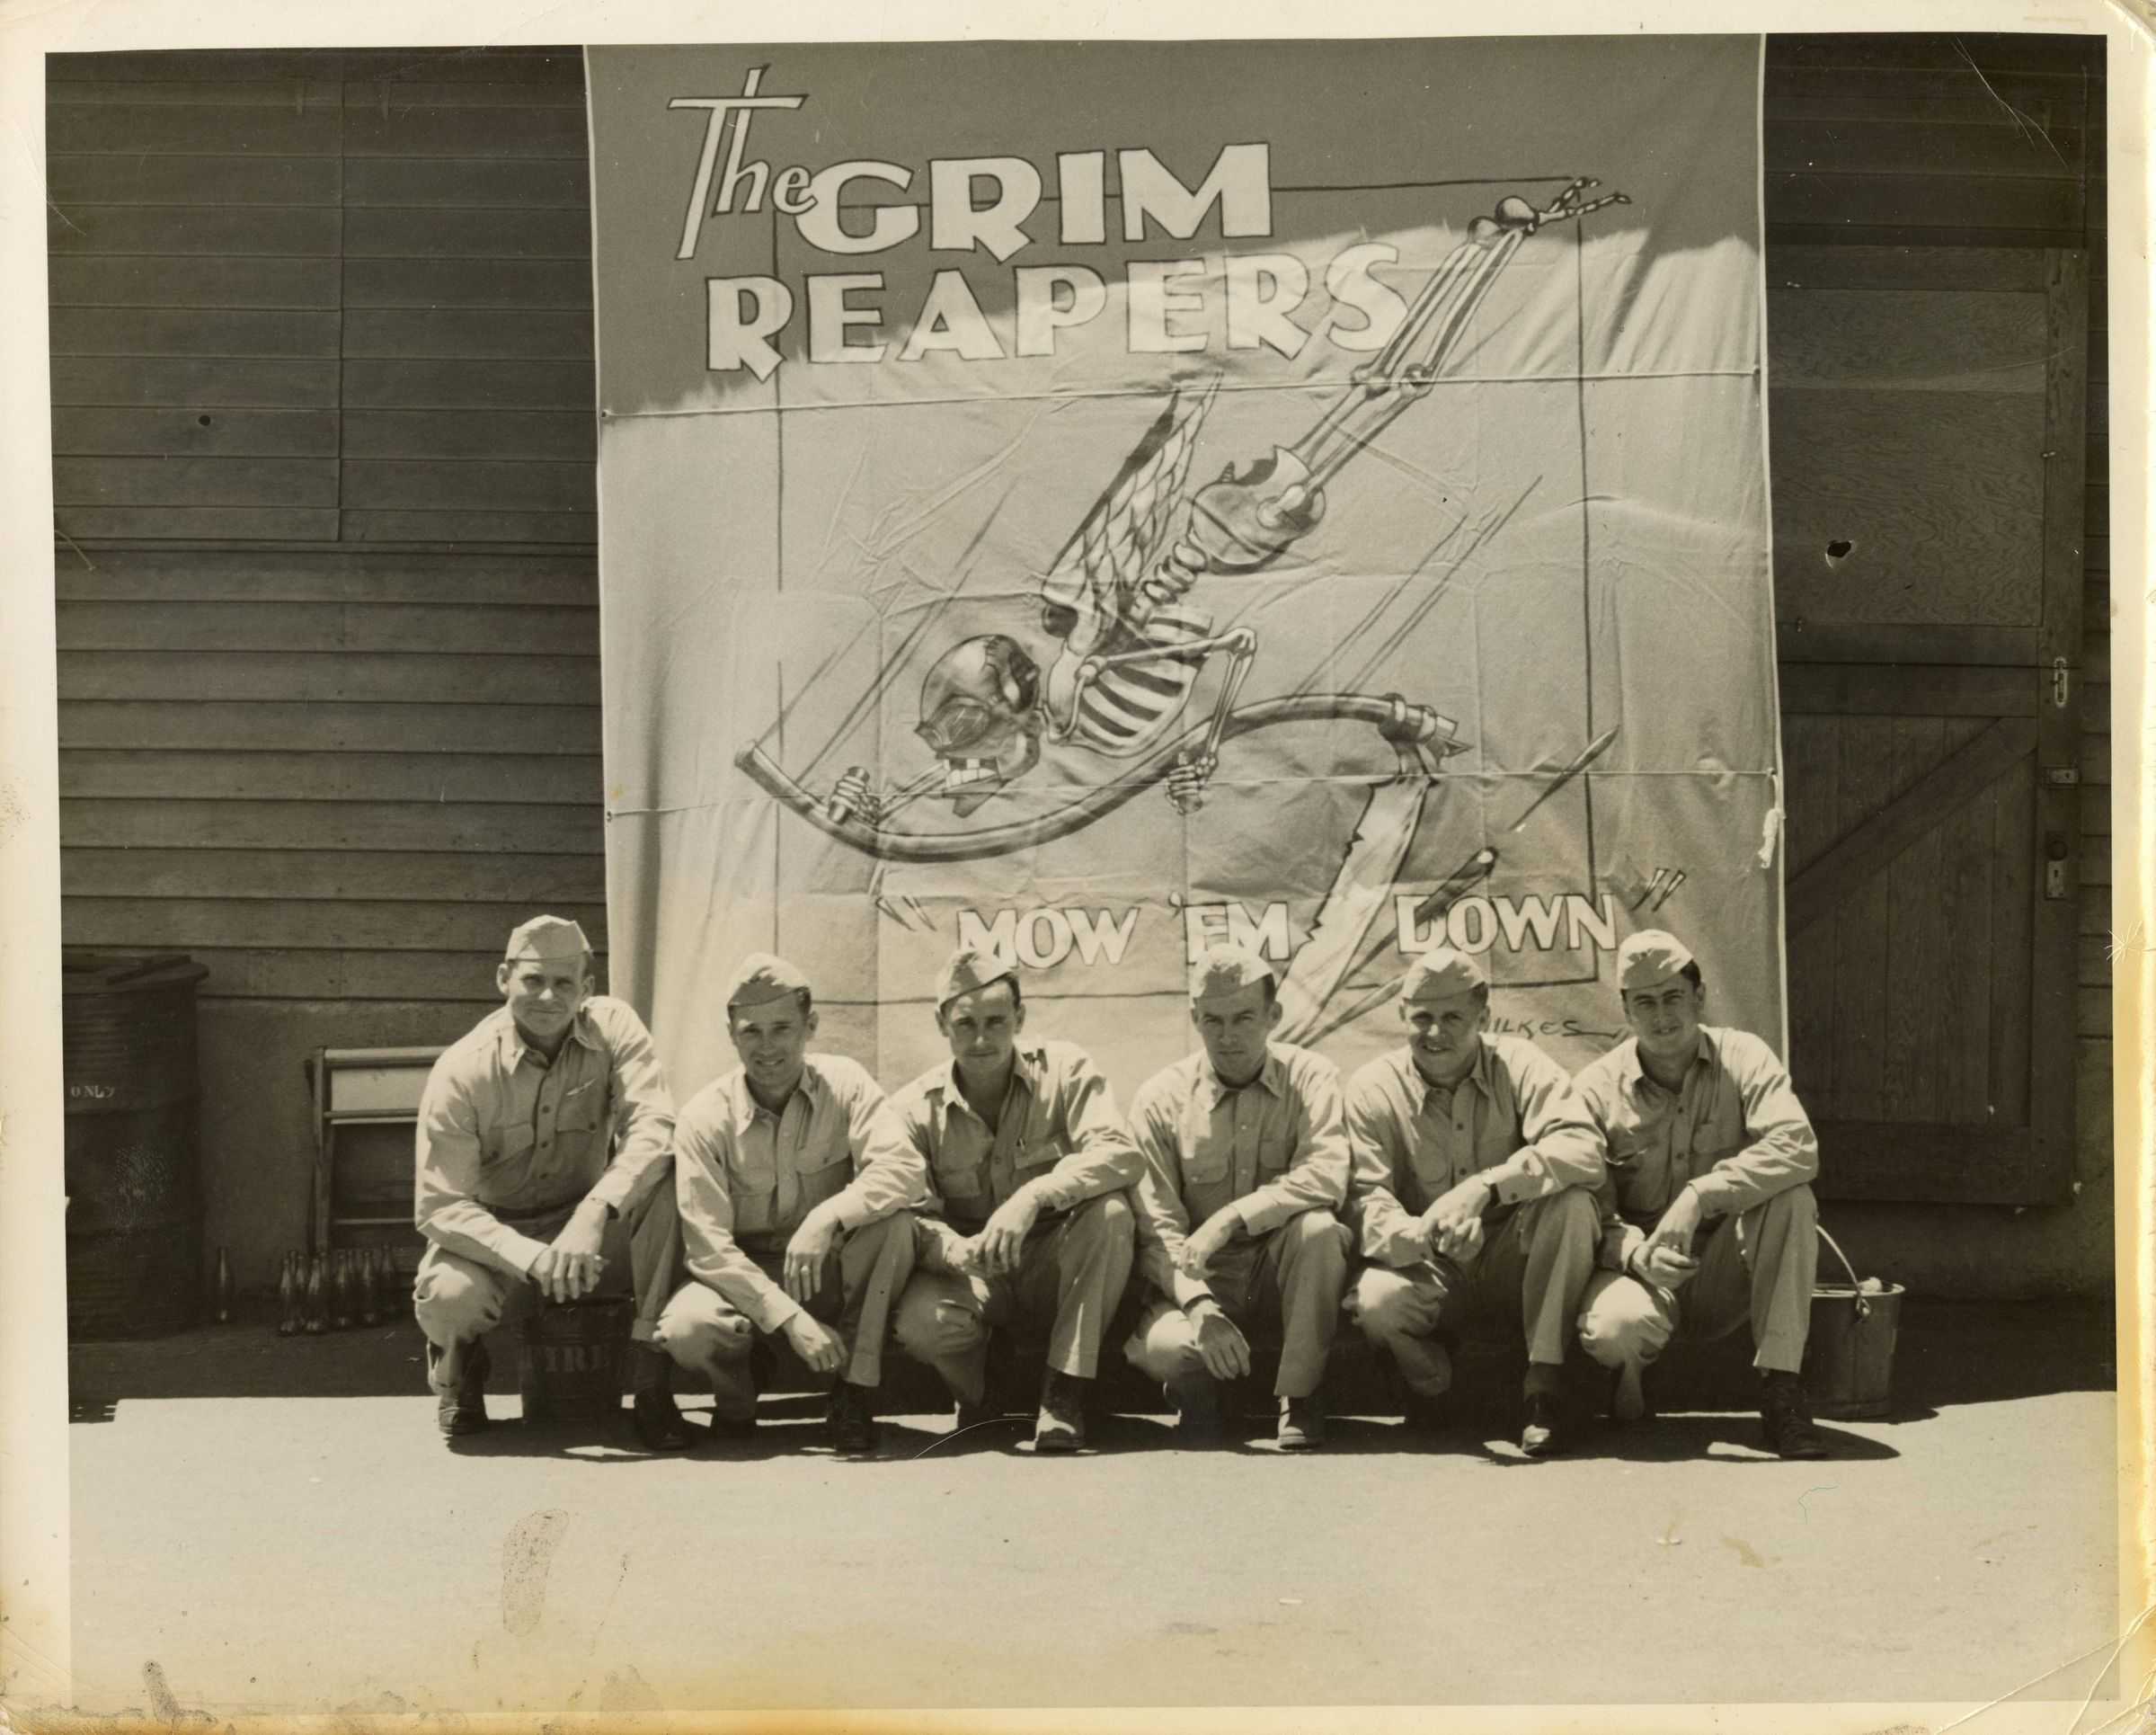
1099 500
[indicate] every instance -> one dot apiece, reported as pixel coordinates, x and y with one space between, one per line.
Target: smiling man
543 1171
1706 1139
1246 1140
787 1227
1475 1170
1029 1164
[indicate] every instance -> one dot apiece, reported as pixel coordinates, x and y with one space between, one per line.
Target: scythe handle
1390 714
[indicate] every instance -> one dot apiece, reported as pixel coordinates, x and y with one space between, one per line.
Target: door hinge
2060 682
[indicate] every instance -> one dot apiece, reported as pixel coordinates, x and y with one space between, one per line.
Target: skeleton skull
981 714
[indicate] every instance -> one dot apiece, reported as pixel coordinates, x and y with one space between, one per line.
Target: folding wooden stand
355 1087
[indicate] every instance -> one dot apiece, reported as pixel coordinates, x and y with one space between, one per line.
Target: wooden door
1926 432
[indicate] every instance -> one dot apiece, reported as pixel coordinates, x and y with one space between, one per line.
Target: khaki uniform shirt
745 1178
1732 1131
1273 1148
502 1130
1058 1136
1514 1119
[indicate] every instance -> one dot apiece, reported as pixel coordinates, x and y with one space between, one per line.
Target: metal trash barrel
1848 1357
572 1364
133 1151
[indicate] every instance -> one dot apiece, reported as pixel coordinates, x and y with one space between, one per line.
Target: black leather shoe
463 1411
850 1421
1200 1415
1549 1427
1060 1426
1783 1421
658 1420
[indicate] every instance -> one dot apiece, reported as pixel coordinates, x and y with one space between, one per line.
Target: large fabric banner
1099 500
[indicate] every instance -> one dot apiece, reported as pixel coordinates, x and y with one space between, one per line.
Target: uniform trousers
1531 1269
856 1292
1287 1282
1071 1273
1756 1265
458 1298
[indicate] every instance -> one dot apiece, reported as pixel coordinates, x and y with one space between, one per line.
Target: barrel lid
87 972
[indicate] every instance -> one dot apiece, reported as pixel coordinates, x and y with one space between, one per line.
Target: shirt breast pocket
954 1179
1207 1162
505 1157
1038 1147
580 1122
828 1175
1709 1147
1433 1169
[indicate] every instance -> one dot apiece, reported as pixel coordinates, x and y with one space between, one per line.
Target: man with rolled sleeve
1705 1137
544 1170
1474 1170
1029 1165
786 1229
1246 1141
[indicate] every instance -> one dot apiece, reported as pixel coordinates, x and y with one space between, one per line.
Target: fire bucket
1848 1359
570 1368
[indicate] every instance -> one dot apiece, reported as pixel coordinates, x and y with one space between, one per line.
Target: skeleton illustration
1130 643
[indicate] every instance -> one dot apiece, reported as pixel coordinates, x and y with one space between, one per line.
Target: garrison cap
968 968
1227 969
547 936
1648 956
1441 973
763 977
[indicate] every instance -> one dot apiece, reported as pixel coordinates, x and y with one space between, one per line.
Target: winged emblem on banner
1130 642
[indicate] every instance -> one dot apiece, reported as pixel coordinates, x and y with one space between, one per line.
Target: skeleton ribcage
1131 704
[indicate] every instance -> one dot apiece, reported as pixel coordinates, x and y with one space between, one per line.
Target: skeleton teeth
965 772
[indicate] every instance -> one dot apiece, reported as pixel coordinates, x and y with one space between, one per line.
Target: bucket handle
1863 1306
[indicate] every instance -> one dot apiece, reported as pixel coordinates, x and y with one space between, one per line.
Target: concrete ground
265 1524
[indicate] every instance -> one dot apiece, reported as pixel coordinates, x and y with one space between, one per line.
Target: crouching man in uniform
1474 1170
785 1228
543 1171
1024 1150
1705 1136
1246 1140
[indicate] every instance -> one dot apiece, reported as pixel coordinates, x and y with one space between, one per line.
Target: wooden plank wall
323 432
1978 141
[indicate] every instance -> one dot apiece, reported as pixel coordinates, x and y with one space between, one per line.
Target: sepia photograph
1031 876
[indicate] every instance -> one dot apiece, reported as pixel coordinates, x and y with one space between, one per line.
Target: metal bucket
132 1151
571 1363
1849 1357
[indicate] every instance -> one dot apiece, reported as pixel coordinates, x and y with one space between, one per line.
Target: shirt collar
1635 1075
514 1047
1273 1076
1478 1074
746 1107
1026 1062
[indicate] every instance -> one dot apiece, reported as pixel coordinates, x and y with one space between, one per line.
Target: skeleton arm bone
1248 518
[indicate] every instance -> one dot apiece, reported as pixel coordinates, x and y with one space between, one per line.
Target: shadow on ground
1948 1353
